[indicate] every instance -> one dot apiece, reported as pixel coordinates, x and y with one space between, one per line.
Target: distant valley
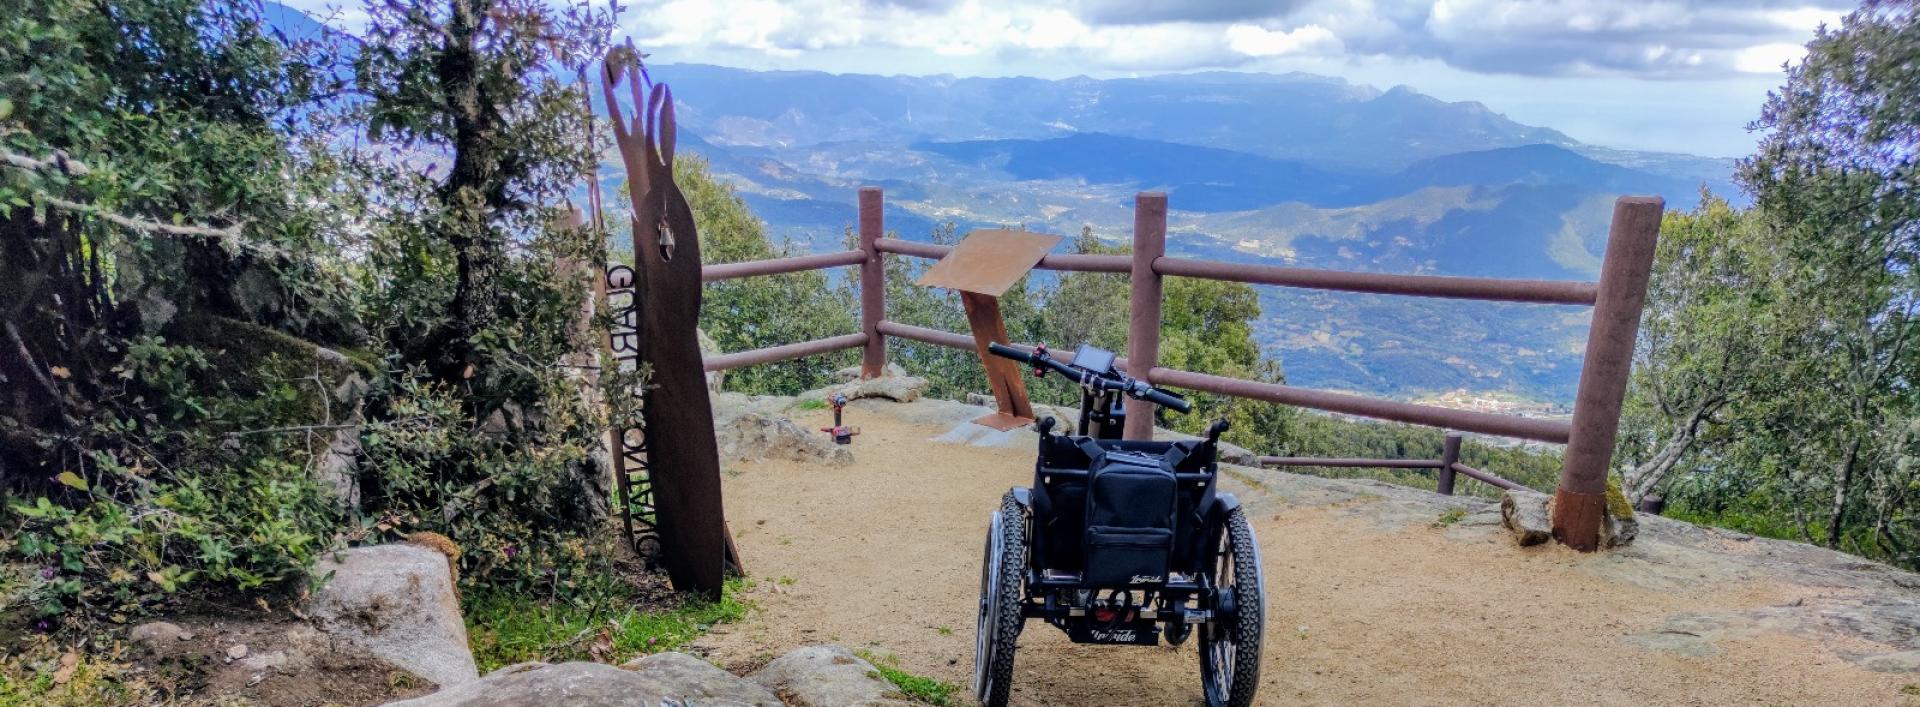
1288 169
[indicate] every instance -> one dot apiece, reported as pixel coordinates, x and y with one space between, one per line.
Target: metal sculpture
677 417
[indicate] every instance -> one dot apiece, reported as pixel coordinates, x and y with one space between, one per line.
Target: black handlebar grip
1166 400
1005 351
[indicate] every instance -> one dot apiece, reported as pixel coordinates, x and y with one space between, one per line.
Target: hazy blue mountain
1292 169
1312 119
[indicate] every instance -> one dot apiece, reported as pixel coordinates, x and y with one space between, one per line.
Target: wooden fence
1580 499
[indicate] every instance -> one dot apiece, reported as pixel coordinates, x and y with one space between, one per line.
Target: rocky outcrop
530 684
696 681
815 675
754 436
397 602
828 675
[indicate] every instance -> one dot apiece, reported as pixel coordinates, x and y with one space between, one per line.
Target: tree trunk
471 194
1842 487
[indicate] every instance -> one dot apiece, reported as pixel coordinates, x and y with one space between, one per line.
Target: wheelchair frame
1213 584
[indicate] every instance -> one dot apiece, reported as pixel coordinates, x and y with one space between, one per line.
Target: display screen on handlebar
1093 358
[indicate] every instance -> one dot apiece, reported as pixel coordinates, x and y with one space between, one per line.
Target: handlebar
1105 380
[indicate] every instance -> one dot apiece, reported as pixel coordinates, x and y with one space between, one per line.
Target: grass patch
810 404
920 689
1449 517
603 624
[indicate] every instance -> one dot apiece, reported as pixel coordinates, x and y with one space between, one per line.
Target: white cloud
1768 58
1253 40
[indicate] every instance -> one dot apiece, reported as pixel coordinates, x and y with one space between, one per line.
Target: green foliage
919 688
227 506
758 312
1774 390
600 622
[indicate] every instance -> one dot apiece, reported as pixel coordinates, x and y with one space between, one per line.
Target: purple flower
43 626
511 551
47 573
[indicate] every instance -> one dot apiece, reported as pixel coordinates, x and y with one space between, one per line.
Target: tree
480 86
1835 177
1707 343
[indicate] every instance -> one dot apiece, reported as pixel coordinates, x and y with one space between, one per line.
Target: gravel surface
1373 596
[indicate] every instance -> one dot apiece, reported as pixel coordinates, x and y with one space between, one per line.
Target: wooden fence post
1580 501
873 283
1449 455
1143 327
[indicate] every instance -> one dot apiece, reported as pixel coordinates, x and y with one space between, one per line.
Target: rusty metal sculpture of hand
684 461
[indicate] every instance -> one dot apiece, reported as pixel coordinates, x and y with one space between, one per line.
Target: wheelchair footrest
1136 633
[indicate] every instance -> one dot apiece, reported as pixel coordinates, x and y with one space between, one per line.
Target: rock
708 349
516 668
852 373
900 389
237 651
699 682
154 636
753 435
984 400
570 684
1525 513
1901 662
397 602
827 675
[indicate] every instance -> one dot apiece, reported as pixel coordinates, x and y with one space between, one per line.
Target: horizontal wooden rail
1479 288
1352 463
1471 472
925 335
965 343
1485 423
756 357
777 266
1066 262
931 251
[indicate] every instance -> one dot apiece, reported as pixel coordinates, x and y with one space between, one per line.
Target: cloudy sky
1678 75
1682 75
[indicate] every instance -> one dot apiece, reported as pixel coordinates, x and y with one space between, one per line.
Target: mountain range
1290 169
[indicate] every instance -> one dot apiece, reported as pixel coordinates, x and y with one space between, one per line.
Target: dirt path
1364 607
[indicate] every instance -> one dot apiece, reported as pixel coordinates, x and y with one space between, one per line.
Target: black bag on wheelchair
1130 518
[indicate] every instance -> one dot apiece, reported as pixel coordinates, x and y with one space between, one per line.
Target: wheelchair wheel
1002 573
1230 644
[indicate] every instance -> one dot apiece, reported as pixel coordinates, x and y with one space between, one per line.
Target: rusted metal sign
982 267
632 477
989 262
677 417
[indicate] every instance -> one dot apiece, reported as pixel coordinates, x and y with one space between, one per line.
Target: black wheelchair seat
1121 514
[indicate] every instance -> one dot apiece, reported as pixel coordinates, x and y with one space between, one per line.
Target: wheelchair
1121 542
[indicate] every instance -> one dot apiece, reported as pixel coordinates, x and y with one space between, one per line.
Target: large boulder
852 373
569 684
899 389
828 675
397 602
753 436
696 681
